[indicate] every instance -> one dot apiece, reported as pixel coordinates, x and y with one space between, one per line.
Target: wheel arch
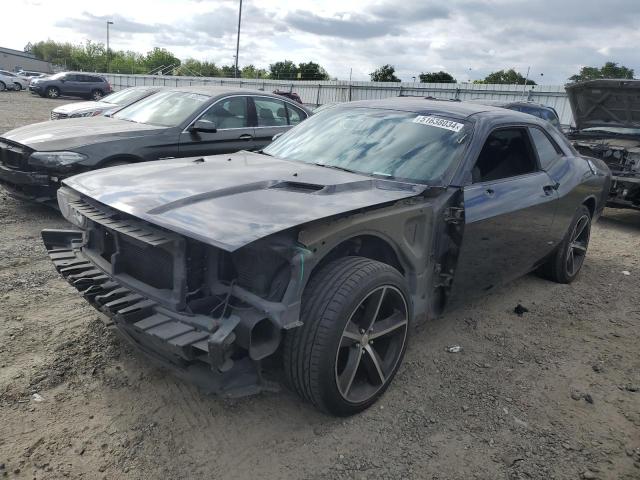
368 245
129 158
591 204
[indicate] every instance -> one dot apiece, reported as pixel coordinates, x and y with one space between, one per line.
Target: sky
468 38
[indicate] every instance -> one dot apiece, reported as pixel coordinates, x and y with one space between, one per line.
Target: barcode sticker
438 122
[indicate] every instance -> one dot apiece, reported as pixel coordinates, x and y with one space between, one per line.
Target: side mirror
277 136
203 126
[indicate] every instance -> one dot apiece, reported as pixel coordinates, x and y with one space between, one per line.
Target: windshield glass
615 130
126 96
381 143
165 109
58 75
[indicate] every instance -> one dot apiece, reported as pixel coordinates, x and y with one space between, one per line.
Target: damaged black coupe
310 260
607 117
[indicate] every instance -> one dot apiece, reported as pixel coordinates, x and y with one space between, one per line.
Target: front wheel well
367 246
590 203
118 160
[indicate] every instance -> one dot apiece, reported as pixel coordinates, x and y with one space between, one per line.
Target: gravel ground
551 394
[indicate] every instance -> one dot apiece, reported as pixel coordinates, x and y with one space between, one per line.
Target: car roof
454 109
504 103
217 90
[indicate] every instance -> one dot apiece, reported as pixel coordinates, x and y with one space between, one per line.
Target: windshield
165 109
614 130
381 143
126 96
58 75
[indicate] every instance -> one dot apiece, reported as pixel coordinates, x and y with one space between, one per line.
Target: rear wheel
566 262
17 87
356 316
97 95
3 87
53 92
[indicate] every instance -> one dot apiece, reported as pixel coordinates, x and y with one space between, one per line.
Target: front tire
53 92
565 264
3 86
17 87
356 315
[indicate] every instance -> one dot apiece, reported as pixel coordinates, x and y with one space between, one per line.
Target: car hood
232 200
605 103
77 132
71 108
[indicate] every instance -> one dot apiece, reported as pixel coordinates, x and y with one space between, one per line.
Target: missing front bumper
195 347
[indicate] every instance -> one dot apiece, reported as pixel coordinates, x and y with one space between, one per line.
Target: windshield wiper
335 167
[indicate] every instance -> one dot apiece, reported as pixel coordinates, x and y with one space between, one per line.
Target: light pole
109 22
238 39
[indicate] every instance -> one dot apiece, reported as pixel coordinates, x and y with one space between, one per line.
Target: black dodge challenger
310 260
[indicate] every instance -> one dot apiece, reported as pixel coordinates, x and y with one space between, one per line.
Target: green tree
160 57
608 70
286 70
228 71
386 73
311 71
510 77
437 77
251 71
191 67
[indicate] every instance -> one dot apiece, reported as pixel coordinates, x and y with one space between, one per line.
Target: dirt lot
552 394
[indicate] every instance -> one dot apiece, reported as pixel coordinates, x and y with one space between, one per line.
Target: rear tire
97 95
3 87
565 264
356 315
52 92
17 87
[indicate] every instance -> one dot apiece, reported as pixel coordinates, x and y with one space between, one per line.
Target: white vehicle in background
11 81
108 105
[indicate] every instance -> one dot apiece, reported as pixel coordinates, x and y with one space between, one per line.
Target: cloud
355 26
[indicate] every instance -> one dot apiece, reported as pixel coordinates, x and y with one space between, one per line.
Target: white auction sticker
438 122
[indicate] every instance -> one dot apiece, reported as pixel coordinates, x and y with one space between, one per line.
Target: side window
94 79
71 78
296 115
548 152
270 112
228 113
506 153
551 117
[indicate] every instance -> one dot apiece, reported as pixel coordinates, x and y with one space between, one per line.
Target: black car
607 126
536 109
316 256
71 84
179 122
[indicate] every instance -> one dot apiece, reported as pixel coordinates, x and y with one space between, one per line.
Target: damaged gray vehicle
308 262
607 117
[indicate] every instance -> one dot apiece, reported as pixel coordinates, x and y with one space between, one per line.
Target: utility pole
238 39
109 22
526 79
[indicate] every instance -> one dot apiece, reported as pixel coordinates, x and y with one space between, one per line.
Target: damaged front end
607 118
211 315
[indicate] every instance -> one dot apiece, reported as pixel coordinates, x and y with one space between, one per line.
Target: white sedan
11 81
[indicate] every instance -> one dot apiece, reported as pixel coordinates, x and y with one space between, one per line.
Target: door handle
489 192
245 136
549 189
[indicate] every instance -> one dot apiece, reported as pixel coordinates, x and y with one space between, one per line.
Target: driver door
235 131
509 210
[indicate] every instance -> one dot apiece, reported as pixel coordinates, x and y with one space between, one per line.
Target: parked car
30 75
71 84
290 95
109 104
536 109
317 255
179 122
11 81
607 126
